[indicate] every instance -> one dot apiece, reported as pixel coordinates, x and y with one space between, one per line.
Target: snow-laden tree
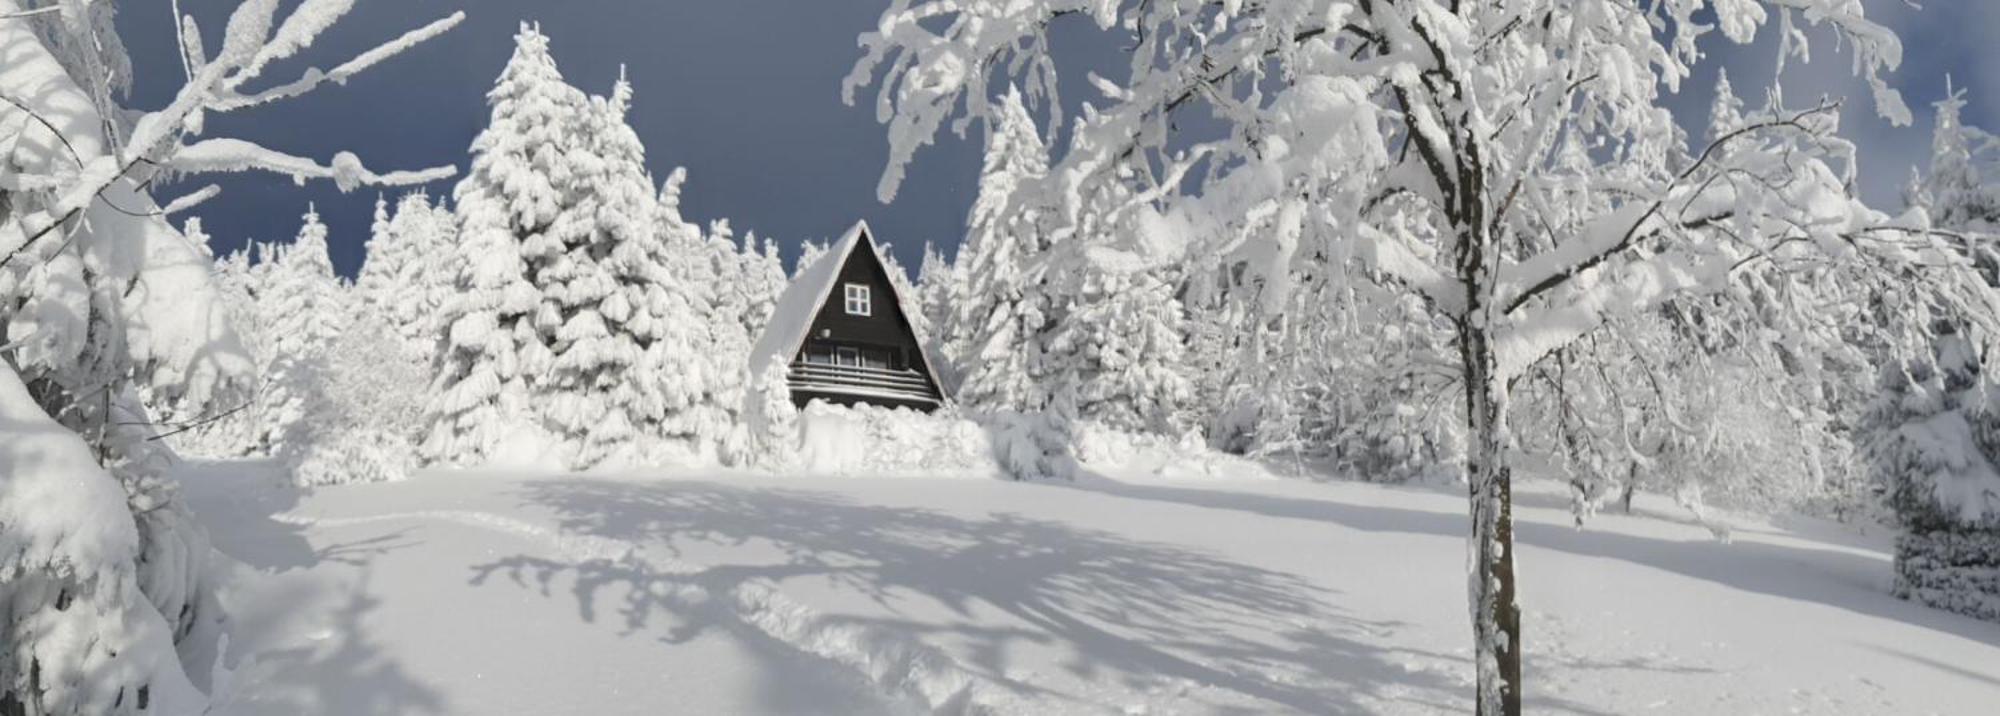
1427 139
1962 189
1119 331
719 274
1933 434
764 280
101 565
508 207
935 281
408 273
604 312
702 366
366 411
810 252
772 419
303 306
993 334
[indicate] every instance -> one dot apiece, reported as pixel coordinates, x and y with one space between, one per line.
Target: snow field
1124 594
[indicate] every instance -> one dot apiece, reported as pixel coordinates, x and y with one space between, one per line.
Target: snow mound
866 439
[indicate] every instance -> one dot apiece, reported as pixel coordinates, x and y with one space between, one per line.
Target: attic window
858 302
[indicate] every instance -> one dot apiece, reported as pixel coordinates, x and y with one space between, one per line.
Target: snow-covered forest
1398 356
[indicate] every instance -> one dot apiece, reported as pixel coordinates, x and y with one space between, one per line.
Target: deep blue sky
746 95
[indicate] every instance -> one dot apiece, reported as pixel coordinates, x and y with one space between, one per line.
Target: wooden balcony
863 384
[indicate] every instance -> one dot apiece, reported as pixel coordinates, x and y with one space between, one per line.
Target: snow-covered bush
870 440
1104 448
771 419
1935 447
367 408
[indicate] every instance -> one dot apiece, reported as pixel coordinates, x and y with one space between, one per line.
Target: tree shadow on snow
1144 614
339 672
1822 576
334 669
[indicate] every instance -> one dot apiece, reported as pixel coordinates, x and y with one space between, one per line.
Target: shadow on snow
1125 610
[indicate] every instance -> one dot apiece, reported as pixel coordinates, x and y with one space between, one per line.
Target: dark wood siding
884 327
875 358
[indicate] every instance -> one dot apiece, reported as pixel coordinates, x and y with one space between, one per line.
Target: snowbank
1104 449
865 439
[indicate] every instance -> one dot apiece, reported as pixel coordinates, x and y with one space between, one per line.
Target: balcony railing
861 382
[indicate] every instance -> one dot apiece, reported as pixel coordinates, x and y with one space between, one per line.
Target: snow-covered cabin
844 332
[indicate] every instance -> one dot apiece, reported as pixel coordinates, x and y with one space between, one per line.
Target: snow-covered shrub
1935 447
1956 571
771 418
366 410
1104 448
871 440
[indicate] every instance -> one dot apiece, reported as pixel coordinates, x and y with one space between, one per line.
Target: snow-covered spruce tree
1119 330
935 282
810 252
993 335
997 338
718 416
303 306
694 377
101 565
1934 442
1933 434
492 350
408 272
361 422
1419 135
1961 192
764 280
602 310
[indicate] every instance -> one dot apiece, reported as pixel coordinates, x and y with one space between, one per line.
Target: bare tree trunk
1496 616
1631 487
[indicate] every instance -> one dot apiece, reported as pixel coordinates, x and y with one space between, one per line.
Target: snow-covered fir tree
508 207
702 386
809 253
601 312
1933 435
936 279
993 334
303 307
408 272
765 280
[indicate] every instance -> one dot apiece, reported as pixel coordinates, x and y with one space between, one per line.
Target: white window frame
858 300
847 356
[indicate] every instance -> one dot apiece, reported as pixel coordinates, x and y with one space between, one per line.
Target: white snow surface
746 593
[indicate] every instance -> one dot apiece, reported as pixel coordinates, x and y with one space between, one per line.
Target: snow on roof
806 295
